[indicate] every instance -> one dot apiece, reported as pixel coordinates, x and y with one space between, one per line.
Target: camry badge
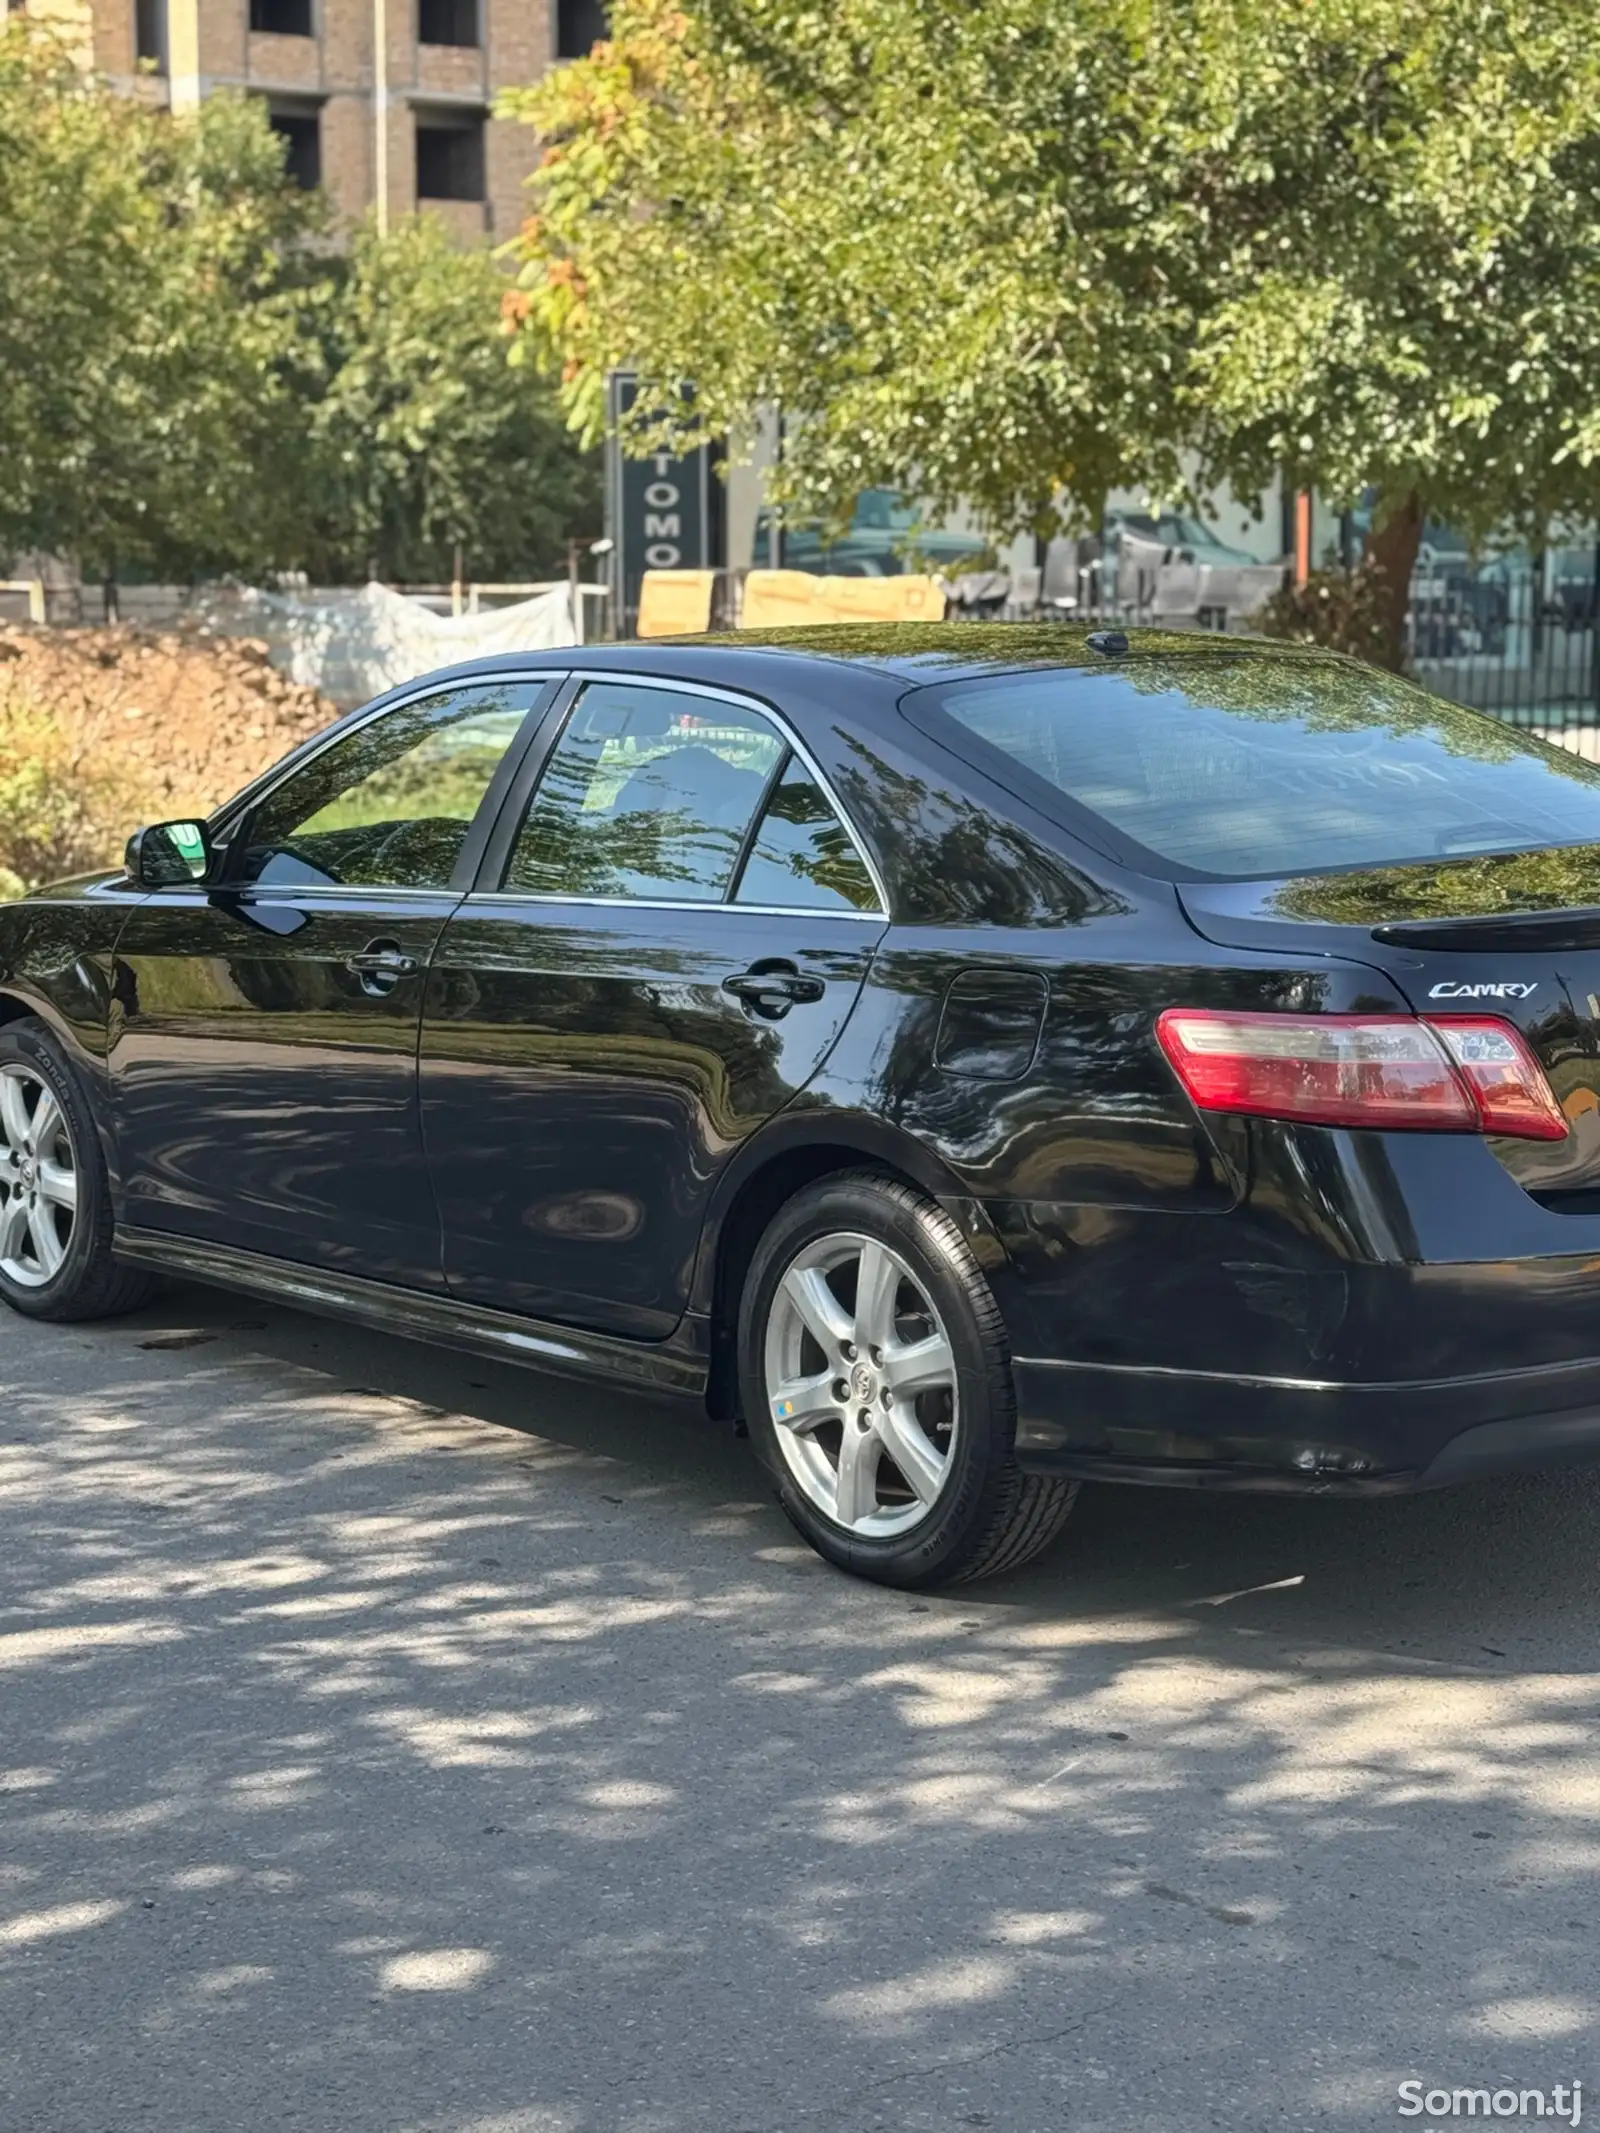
1481 992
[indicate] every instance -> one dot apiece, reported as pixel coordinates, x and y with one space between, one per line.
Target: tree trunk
1392 553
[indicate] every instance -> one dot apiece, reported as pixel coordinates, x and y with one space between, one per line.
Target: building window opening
447 22
580 25
450 159
302 132
150 33
282 18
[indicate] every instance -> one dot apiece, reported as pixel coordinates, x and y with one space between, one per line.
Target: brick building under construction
416 129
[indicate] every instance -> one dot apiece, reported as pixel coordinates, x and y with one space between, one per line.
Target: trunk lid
1514 934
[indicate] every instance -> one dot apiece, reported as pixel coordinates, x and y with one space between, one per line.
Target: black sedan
982 1059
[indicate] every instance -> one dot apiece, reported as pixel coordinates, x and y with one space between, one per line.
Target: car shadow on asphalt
1426 1574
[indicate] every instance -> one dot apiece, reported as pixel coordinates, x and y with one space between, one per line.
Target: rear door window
1252 765
650 793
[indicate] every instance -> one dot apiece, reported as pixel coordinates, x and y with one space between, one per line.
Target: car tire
875 1378
55 1200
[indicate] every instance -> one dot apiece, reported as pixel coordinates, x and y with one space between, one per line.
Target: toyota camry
977 1059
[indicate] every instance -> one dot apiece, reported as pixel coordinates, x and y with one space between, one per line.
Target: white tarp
354 645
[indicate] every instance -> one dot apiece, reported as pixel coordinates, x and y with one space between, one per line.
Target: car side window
803 855
650 792
389 806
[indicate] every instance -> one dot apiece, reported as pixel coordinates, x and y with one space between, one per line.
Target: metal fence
1539 672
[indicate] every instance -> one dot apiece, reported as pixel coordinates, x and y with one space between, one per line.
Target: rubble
180 718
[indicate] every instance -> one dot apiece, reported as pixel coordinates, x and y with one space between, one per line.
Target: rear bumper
1203 1429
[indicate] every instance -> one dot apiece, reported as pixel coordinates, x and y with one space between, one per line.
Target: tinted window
1276 766
648 793
802 855
390 806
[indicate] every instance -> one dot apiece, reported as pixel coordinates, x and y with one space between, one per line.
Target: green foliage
1029 249
419 434
190 386
60 811
144 324
1342 610
1562 878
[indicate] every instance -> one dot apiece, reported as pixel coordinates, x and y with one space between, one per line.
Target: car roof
915 652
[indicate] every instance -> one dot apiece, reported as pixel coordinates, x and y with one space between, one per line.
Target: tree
147 320
189 386
1025 252
419 434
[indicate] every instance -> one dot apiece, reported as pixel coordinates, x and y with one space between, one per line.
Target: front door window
390 805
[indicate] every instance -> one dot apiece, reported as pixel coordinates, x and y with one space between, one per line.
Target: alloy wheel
38 1179
861 1385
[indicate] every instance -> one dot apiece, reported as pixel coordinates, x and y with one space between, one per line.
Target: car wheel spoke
922 1464
59 1186
825 1318
856 1491
13 1227
919 1366
47 1246
802 1404
46 1122
877 1285
15 1124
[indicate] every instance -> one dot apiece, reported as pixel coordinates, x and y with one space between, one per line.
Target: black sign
656 509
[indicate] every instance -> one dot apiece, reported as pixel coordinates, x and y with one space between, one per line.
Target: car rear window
1263 766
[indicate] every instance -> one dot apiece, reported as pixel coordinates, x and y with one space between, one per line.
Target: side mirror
168 854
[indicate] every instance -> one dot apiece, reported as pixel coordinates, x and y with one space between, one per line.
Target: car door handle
771 989
380 966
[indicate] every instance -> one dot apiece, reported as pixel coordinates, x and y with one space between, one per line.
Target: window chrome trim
333 892
302 892
479 897
785 731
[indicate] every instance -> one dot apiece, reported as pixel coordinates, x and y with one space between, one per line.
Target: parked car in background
1170 564
983 1058
884 539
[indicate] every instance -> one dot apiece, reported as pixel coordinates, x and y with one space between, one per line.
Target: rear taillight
1507 1082
1448 1074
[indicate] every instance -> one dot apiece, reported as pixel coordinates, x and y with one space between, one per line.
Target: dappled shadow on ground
366 1764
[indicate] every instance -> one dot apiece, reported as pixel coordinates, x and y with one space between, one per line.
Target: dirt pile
171 718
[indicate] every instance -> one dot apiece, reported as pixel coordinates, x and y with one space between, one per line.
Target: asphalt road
391 1743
